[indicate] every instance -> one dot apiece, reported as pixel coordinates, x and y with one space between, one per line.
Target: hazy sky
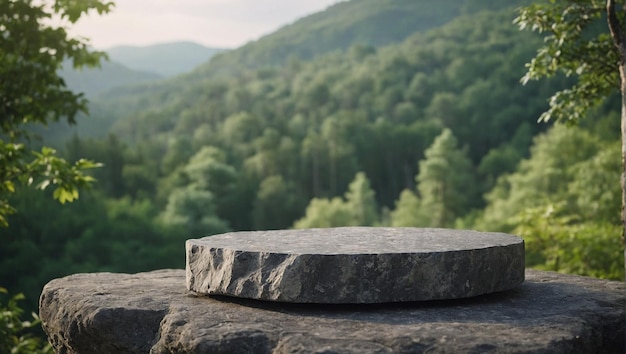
213 23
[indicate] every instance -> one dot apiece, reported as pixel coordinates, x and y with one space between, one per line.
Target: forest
425 124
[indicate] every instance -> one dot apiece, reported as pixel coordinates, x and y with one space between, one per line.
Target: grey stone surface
152 312
355 264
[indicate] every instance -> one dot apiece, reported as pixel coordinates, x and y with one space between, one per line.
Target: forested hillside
371 23
328 118
388 118
367 22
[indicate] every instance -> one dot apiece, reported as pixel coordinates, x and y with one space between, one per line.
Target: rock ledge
152 312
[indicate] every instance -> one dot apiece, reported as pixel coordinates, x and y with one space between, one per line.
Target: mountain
94 81
373 23
422 73
363 23
167 59
129 66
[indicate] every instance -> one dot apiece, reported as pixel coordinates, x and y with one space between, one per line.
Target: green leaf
45 183
63 194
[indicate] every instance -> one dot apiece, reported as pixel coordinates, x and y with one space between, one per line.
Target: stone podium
355 264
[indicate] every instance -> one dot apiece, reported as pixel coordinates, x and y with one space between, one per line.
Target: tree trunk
315 161
618 33
622 72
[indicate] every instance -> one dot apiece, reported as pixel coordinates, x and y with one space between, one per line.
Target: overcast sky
213 23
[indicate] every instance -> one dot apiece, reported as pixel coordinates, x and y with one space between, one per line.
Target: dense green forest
402 113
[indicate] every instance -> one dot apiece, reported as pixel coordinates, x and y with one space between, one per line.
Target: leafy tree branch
31 91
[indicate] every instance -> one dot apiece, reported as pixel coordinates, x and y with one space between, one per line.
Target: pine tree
276 205
358 209
443 181
361 201
323 212
408 211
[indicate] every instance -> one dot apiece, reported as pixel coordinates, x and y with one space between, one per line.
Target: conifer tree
323 212
407 211
358 209
361 201
276 205
443 180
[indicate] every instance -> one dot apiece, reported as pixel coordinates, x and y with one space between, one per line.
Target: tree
31 91
361 201
547 233
208 171
545 177
322 212
407 211
443 180
276 205
575 46
192 210
358 209
564 201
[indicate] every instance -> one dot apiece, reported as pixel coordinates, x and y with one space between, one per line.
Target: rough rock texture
152 312
355 264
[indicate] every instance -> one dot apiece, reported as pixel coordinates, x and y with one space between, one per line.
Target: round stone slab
355 264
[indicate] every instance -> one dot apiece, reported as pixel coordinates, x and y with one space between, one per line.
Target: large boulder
153 312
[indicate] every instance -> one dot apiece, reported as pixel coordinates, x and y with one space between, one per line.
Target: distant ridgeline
131 65
166 60
343 25
111 74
